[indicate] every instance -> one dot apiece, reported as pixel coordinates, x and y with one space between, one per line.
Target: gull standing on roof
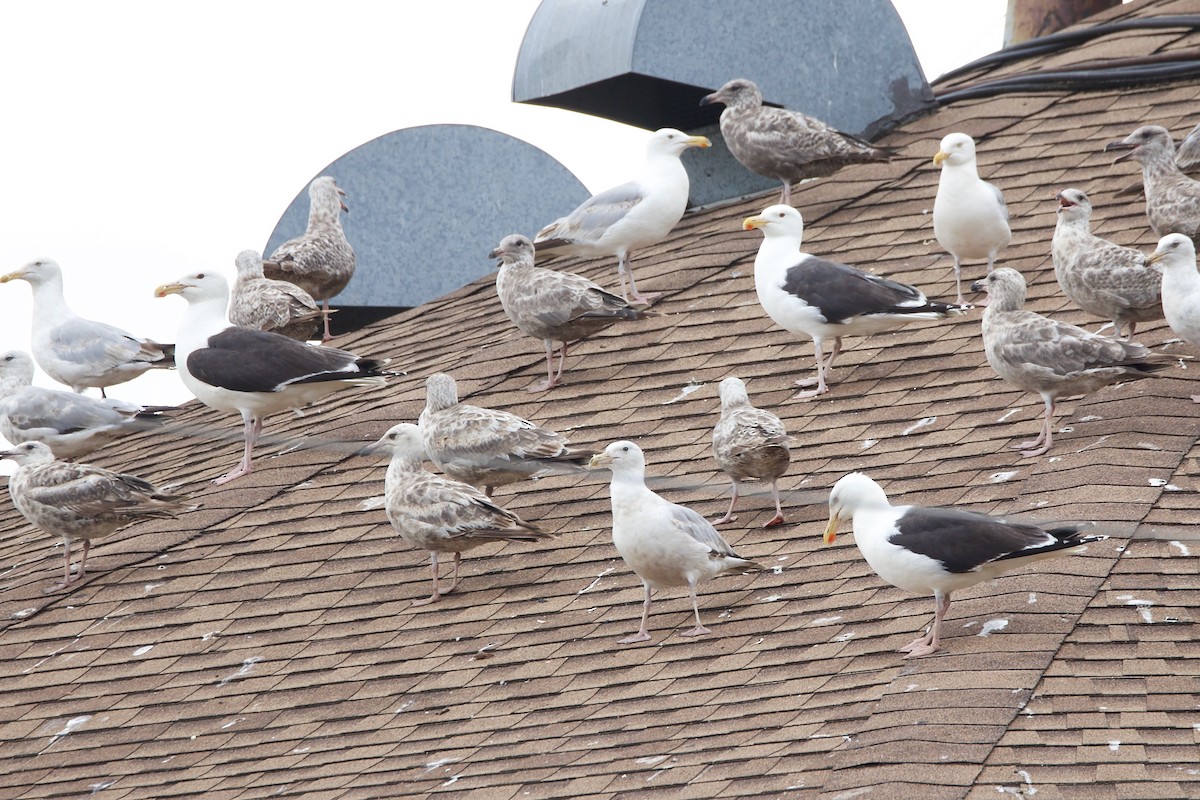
1187 158
631 216
970 218
439 514
80 501
664 543
1102 278
1172 198
485 447
255 373
785 145
321 262
1052 358
80 352
550 305
265 304
70 424
1180 287
938 550
749 442
825 299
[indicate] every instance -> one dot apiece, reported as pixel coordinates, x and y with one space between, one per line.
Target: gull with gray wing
265 304
749 443
1180 287
1172 198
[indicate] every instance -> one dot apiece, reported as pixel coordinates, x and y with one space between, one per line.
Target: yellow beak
939 157
750 223
599 461
1153 258
168 288
830 531
699 141
12 276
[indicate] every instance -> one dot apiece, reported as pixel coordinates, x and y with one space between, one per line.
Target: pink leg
66 581
931 641
729 517
699 630
436 594
326 336
785 196
550 379
637 297
821 387
454 582
778 518
642 635
1042 443
253 427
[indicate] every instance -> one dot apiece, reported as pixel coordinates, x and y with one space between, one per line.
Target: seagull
439 514
1052 358
255 373
71 425
664 543
749 443
264 304
631 216
80 501
553 306
78 352
321 262
1187 158
1102 278
485 447
825 299
1172 198
1180 287
785 145
938 550
970 219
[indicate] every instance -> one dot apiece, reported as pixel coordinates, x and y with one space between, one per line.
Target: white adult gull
266 304
1180 287
749 443
824 299
439 514
970 218
78 352
255 373
626 218
1172 198
938 550
80 501
664 543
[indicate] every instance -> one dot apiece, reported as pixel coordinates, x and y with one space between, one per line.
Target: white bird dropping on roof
825 299
664 543
78 352
80 501
255 373
785 145
749 442
1172 198
1052 358
439 514
550 305
265 304
626 218
938 550
970 218
1180 287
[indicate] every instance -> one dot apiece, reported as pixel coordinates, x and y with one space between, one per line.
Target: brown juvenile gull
1102 278
749 442
78 352
1180 287
1052 358
825 299
264 304
485 447
80 501
1187 158
938 550
71 425
631 216
255 373
321 262
664 543
785 145
439 514
970 218
1172 198
550 305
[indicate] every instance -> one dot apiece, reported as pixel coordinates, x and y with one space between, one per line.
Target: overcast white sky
143 140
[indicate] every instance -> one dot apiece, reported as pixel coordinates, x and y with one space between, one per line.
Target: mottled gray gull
1187 158
1180 287
1172 198
265 304
749 443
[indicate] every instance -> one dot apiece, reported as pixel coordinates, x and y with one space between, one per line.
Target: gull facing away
80 501
970 218
1172 198
626 218
439 514
938 550
664 543
78 352
486 447
1180 287
749 442
321 261
265 304
1052 358
824 299
1102 278
785 145
71 425
553 306
255 373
